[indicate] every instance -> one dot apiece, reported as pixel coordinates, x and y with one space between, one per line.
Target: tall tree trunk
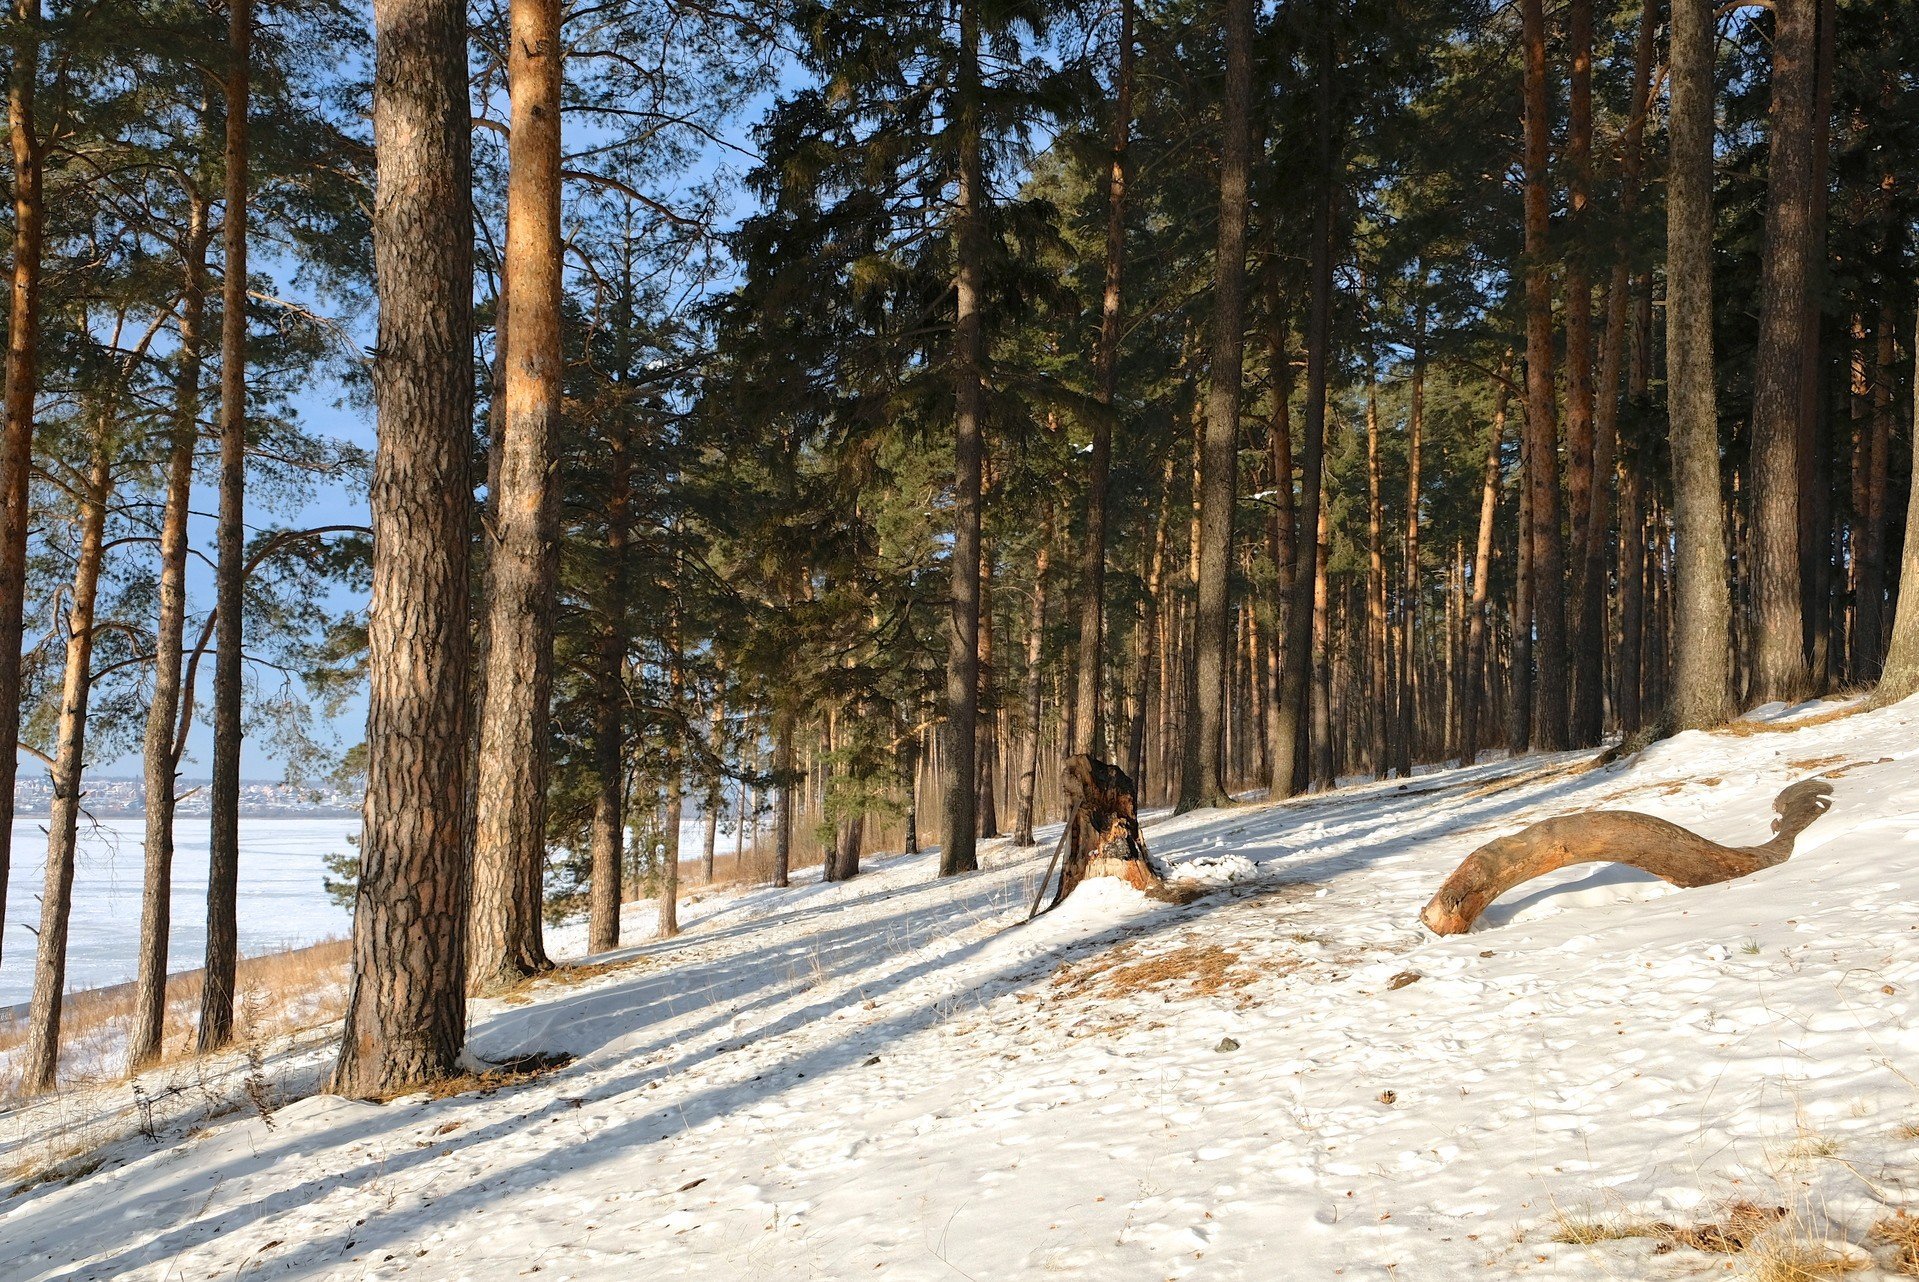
223 845
1701 693
1542 466
1035 685
1088 728
509 850
669 900
1283 541
1590 475
1407 747
1871 593
161 763
1203 781
406 1007
1322 728
1900 679
783 805
1476 620
986 804
41 1064
957 842
1378 693
1519 730
1293 722
715 790
1779 661
608 842
22 374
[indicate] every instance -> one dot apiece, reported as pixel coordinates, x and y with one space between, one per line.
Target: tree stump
1102 838
1663 849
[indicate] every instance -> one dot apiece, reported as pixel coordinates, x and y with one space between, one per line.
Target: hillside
1288 1077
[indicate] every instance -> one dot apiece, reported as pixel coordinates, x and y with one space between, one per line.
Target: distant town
125 798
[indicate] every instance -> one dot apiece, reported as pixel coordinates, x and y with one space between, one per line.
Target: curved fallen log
1663 849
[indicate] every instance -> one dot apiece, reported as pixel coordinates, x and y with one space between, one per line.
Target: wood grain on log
1663 849
1103 827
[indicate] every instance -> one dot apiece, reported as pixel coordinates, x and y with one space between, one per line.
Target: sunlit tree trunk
1701 692
1900 678
1476 620
1035 684
22 374
223 847
509 851
406 1007
40 1066
160 760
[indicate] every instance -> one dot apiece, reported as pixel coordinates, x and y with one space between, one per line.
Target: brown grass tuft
1202 969
512 1072
1901 1232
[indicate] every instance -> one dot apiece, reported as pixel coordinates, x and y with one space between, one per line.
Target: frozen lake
282 903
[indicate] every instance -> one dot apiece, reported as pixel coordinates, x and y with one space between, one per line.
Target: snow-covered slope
1287 1078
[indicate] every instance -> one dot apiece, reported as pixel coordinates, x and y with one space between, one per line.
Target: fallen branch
1663 849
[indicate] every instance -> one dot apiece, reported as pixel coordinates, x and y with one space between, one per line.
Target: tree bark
1701 693
1203 780
1406 747
1293 722
1476 620
957 841
1654 845
406 1008
1089 729
22 375
1035 685
1551 727
986 803
223 847
669 900
161 763
783 806
509 850
1590 476
40 1066
608 841
1379 700
1779 660
1900 677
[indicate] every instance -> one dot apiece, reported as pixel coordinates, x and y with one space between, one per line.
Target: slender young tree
1702 607
161 755
505 943
1899 679
215 1028
41 1065
1203 781
406 1008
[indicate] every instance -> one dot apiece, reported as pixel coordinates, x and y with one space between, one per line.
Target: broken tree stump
1102 834
1663 849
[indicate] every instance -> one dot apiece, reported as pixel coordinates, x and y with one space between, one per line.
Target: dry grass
1784 1258
274 994
1738 1228
1901 1232
1743 729
512 1072
1202 970
1589 1231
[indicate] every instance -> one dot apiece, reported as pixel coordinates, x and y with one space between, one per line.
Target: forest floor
1286 1078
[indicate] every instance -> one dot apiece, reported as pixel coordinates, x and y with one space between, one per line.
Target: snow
1288 1077
281 903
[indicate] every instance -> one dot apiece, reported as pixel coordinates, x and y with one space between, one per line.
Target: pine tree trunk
1035 635
1900 678
986 803
1203 779
1406 745
783 807
223 852
160 761
1293 725
22 384
958 844
1701 693
715 791
1551 727
669 899
1817 546
1088 731
1590 476
1378 698
1322 741
406 1008
1519 730
509 850
1872 554
40 1066
608 840
1778 657
1476 620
